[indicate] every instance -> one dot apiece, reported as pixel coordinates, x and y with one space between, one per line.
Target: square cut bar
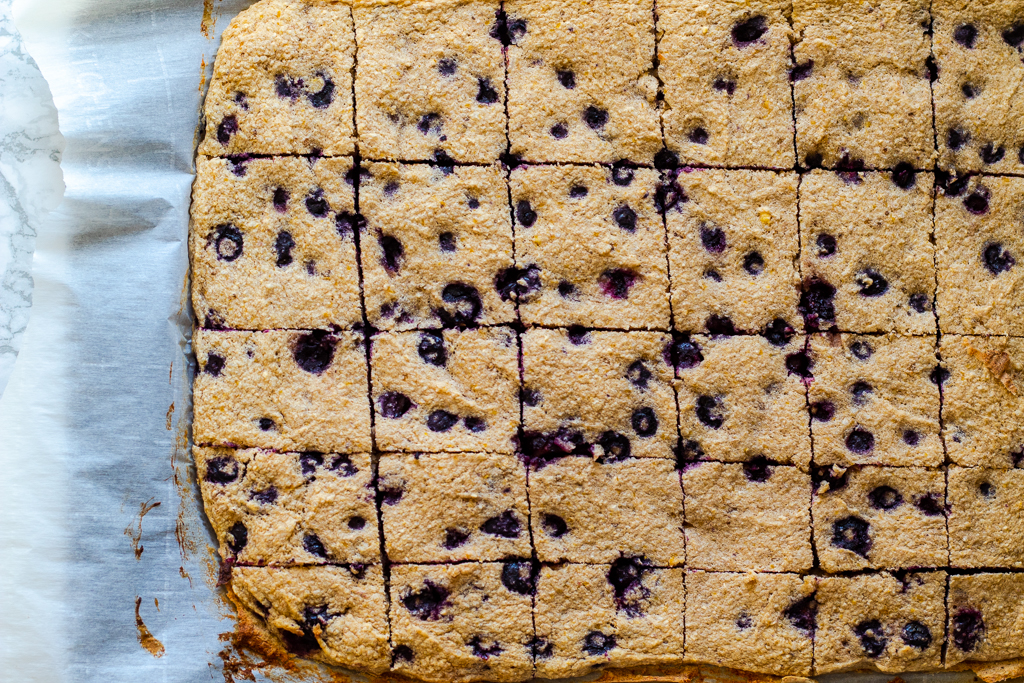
861 83
749 517
289 508
463 622
986 518
449 507
881 518
336 615
438 250
742 398
983 400
430 81
886 622
581 83
586 511
628 613
590 247
980 247
282 82
725 69
599 393
755 622
733 248
874 400
978 100
986 618
450 390
272 244
298 391
867 260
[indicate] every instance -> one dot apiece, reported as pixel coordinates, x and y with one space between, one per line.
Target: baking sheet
109 573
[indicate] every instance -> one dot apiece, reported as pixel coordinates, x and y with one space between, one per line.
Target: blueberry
578 191
753 263
626 577
779 333
911 437
578 335
720 325
314 351
559 131
281 199
951 185
392 253
860 441
904 176
852 533
317 204
823 411
342 464
956 138
505 525
698 136
638 374
567 290
473 203
930 504
803 615
801 71
454 538
267 496
441 421
816 303
446 242
861 350
885 498
391 188
309 461
508 30
916 634
287 88
520 576
872 637
475 424
554 525
356 523
645 422
390 494
622 174
347 223
625 218
429 123
393 405
540 648
669 194
683 353
314 546
486 93
861 392
757 469
938 375
997 259
237 537
228 127
597 643
227 242
525 214
836 479
595 117
713 239
540 448
402 653
813 160
616 447
726 85
214 364
932 68
920 303
965 34
479 649
447 66
283 245
222 470
616 283
710 411
799 364
426 603
666 160
465 305
713 275
266 424
688 452
567 78
872 283
432 350
826 245
987 490
322 98
991 154
749 31
1014 35
520 283
744 622
969 91
968 627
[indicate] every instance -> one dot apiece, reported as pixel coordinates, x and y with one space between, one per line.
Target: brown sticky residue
170 416
146 639
156 603
207 24
997 363
185 575
134 530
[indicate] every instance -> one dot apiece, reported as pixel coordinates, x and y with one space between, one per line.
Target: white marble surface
30 181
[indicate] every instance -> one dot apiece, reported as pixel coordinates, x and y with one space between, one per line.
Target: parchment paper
108 573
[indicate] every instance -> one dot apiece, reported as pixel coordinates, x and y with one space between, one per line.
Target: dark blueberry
531 397
616 283
520 576
402 653
997 259
920 303
885 498
850 177
698 136
519 282
241 100
616 447
803 615
713 275
309 461
835 477
473 203
779 333
454 538
465 303
505 525
986 489
479 649
872 283
713 239
559 131
342 464
426 603
852 533
861 392
668 194
288 88
554 525
265 497
683 353
977 201
916 634
720 325
347 223
222 470
956 138
622 174
666 160
932 68
930 504
938 375
749 31
486 94
314 546
237 537
316 615
801 71
525 214
860 441
1014 36
688 451
744 622
432 349
447 66
441 421
861 350
872 637
214 364
965 34
626 577
638 374
991 154
446 242
539 648
799 364
266 424
594 117
753 263
227 242
597 643
390 494
726 85
1017 457
228 127
391 188
322 98
969 91
904 175
317 204
356 523
429 123
281 199
215 321
567 78
823 411
645 422
757 469
314 351
813 160
816 303
283 245
578 191
710 411
911 437
826 245
968 627
951 185
567 290
578 335
507 29
392 253
540 448
393 405
475 424
625 218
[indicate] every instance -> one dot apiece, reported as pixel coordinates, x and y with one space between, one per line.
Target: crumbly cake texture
538 338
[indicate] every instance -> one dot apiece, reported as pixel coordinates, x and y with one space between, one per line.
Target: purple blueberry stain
616 283
644 422
861 350
917 635
431 349
968 628
720 326
683 353
567 78
861 392
463 305
553 525
283 245
625 218
904 176
860 441
823 411
484 650
626 578
280 200
977 202
559 131
930 504
817 304
348 224
312 544
710 411
266 424
322 98
214 364
638 374
428 602
712 238
726 85
803 615
871 283
957 138
237 537
698 136
758 469
779 333
454 538
753 263
227 242
507 30
827 245
872 637
393 404
525 215
440 421
429 123
801 71
228 127
852 533
222 470
578 335
997 258
616 447
505 525
520 576
596 643
595 117
522 283
749 31
475 424
486 93
885 498
965 35
800 364
314 351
